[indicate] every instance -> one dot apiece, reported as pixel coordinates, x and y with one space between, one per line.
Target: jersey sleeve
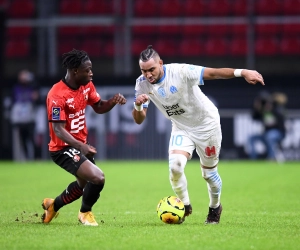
56 108
193 74
139 90
94 97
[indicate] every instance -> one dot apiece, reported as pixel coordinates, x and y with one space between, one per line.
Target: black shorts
69 159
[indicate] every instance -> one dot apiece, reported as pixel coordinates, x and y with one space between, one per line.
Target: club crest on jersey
173 89
55 113
161 92
86 96
141 78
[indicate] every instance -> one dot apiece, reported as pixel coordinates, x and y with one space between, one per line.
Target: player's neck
71 84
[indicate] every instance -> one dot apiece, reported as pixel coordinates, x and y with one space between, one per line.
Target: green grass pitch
260 201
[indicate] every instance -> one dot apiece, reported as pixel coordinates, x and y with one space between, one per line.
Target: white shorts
207 144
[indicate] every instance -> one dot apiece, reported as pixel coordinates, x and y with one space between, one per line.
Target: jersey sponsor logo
79 113
70 100
55 113
210 151
192 67
174 110
86 90
77 122
173 89
161 92
70 103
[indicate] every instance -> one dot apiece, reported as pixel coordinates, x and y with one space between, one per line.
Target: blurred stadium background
255 34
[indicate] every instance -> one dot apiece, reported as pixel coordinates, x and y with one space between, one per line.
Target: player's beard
87 81
156 79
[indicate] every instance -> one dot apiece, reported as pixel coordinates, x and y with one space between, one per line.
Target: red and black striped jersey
65 104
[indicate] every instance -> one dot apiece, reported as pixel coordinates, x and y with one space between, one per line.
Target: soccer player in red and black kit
66 103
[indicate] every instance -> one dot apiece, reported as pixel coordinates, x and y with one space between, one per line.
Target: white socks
178 180
214 185
177 177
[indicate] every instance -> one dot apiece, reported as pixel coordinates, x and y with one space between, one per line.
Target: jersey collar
163 78
65 82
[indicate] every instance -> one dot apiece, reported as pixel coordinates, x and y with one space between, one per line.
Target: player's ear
161 62
75 71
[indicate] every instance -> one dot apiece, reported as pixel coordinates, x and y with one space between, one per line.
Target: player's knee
208 173
98 179
177 164
212 176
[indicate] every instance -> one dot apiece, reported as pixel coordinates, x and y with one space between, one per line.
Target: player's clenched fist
119 99
141 99
87 149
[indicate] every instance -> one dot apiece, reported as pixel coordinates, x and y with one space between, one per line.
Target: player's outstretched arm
104 106
139 113
251 76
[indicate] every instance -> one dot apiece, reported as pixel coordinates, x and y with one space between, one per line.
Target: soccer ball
170 210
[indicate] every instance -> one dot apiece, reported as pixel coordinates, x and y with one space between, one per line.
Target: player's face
84 73
152 70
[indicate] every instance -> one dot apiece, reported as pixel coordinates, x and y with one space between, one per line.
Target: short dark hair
148 53
74 58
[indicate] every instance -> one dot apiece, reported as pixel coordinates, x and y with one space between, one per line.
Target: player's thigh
72 160
208 146
180 140
90 172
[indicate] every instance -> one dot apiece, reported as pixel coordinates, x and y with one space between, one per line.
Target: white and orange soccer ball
170 210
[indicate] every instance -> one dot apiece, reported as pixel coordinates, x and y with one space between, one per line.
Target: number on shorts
72 152
177 140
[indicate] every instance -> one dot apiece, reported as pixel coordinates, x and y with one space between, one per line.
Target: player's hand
87 149
119 99
252 76
141 99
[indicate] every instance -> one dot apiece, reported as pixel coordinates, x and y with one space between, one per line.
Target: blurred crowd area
250 33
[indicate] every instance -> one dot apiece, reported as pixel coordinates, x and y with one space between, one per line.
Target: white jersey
178 96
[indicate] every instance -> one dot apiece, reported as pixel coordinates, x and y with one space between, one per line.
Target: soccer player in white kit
174 90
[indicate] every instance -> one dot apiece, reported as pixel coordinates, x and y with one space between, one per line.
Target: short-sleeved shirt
178 96
65 104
